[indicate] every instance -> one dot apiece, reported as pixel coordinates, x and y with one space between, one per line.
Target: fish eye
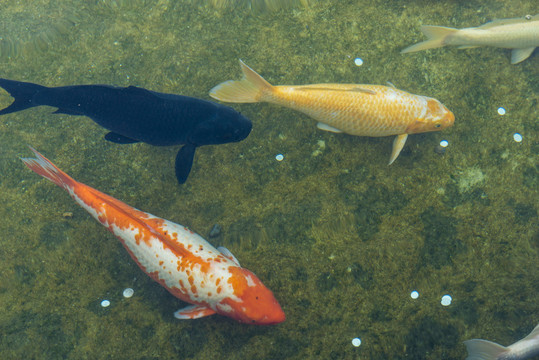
437 125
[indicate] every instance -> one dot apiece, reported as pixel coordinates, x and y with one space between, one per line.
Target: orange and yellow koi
363 110
210 279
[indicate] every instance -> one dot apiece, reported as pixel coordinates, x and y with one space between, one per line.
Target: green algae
339 237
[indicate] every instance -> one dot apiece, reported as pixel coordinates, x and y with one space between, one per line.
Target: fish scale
183 262
356 109
156 258
387 112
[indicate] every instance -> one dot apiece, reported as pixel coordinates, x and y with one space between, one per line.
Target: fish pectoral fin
135 90
518 55
119 139
391 85
398 144
184 162
226 253
326 127
193 312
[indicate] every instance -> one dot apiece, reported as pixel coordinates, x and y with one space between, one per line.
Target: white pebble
414 294
128 292
446 300
444 143
356 342
517 137
279 157
105 303
501 111
358 61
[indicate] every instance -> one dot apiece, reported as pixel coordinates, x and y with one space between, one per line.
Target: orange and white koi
362 110
189 267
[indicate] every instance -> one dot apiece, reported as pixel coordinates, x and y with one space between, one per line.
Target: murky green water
340 238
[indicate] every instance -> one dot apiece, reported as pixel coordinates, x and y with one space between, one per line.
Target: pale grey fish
519 34
526 348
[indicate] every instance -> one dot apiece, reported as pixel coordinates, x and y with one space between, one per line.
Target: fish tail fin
484 350
44 167
437 37
22 92
252 88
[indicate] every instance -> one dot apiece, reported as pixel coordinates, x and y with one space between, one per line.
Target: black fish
134 114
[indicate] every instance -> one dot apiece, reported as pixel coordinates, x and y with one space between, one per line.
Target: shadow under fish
134 114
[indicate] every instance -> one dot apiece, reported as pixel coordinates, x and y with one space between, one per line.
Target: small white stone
517 137
356 342
501 111
105 303
279 157
128 292
444 143
446 300
358 61
414 294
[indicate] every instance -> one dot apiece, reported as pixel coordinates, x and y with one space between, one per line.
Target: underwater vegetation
25 30
341 239
256 5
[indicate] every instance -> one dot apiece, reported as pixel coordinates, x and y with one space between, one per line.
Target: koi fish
362 110
134 114
189 267
519 34
526 348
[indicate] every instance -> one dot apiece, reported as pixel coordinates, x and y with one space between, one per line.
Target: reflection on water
32 29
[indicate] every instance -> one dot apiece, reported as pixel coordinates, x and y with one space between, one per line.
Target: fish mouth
449 120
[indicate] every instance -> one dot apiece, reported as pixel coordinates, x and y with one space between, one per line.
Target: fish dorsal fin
363 90
500 22
226 253
391 85
328 87
137 90
327 127
67 112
